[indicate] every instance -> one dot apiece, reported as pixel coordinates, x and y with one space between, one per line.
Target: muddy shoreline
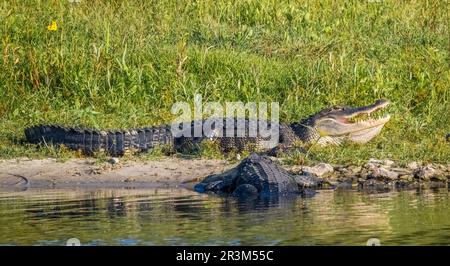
170 172
87 173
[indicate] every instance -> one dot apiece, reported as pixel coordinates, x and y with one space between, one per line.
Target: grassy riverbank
117 64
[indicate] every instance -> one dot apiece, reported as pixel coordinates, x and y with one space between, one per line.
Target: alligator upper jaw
344 123
368 109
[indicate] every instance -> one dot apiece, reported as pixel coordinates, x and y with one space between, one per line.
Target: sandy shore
49 173
172 172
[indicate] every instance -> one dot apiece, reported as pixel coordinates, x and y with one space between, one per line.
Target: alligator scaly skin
257 176
329 126
144 139
90 140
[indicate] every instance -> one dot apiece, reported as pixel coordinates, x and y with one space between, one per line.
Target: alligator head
337 124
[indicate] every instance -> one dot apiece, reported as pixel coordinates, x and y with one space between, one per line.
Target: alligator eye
339 108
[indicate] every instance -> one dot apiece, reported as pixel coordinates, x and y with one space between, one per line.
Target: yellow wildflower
53 26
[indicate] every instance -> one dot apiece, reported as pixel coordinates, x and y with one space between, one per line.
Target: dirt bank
50 173
171 172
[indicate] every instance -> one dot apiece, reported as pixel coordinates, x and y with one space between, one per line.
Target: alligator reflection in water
179 216
115 206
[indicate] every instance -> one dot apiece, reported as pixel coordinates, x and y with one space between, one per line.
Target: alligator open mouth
368 115
359 124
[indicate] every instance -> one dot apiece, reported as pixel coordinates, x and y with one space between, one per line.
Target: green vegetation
115 64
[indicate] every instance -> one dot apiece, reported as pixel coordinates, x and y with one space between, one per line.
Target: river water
183 217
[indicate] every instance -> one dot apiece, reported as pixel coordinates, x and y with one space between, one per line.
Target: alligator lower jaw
358 132
345 128
366 130
365 135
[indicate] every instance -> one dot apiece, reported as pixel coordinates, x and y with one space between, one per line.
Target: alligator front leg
288 142
285 150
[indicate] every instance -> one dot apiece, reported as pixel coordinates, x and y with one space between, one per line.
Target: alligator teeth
369 119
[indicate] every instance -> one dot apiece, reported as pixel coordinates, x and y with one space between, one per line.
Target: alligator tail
91 140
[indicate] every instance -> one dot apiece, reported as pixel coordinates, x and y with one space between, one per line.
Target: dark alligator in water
329 126
258 176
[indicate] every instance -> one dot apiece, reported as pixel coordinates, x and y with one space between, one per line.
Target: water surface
183 217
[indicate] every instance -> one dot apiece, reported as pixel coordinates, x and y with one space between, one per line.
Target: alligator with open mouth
330 126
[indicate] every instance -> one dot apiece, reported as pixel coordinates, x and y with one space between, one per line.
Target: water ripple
183 217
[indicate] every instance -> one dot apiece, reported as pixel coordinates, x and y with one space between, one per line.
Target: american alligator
330 126
258 176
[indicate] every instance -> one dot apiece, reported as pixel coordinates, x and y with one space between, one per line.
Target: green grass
115 64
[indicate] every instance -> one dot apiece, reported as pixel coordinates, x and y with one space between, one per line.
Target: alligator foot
285 150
